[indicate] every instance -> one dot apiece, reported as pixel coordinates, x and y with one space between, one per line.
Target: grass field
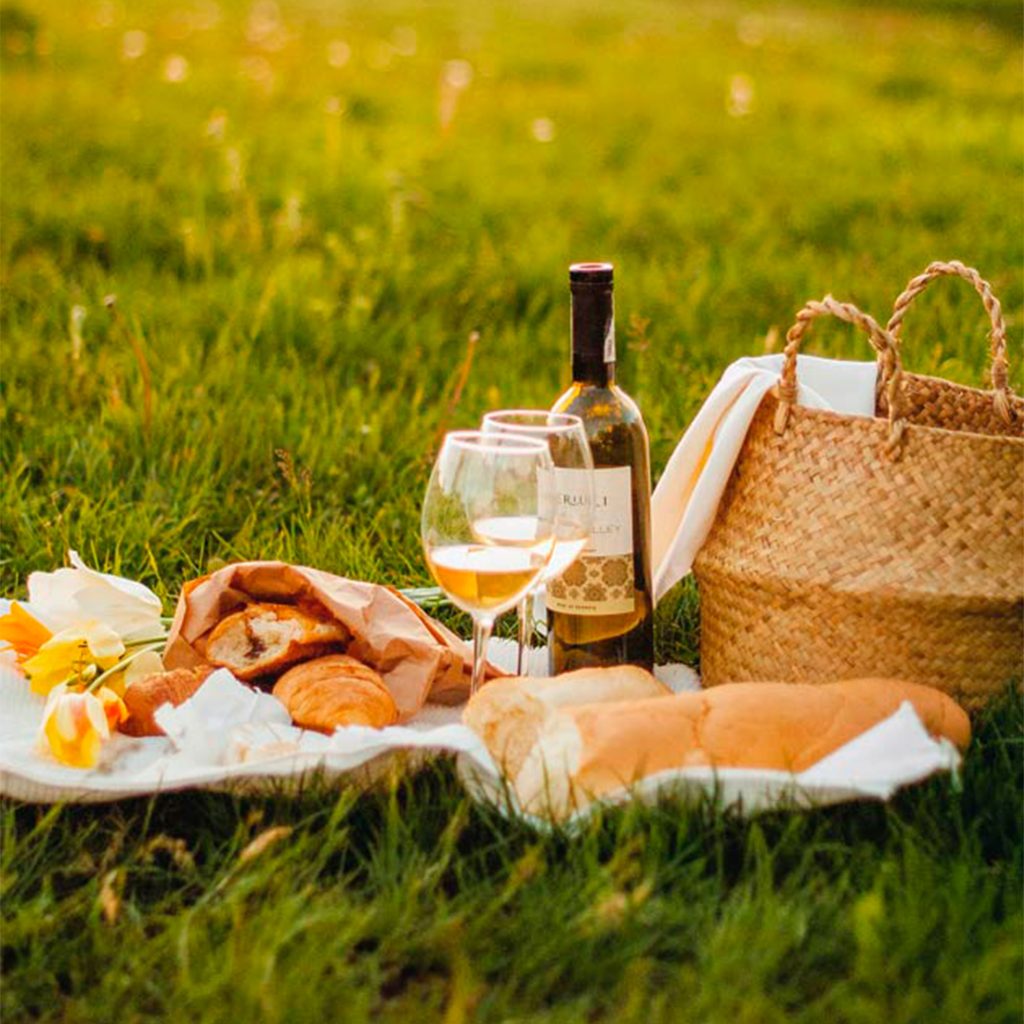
304 214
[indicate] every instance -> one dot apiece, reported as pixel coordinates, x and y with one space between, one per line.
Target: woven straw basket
893 546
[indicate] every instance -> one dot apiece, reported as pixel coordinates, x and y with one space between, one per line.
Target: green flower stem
122 664
425 596
146 640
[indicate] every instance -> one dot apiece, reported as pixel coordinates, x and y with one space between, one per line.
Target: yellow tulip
76 724
70 654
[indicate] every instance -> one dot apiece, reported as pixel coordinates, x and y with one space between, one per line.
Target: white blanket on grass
250 746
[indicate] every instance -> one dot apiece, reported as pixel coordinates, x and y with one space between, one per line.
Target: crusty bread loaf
144 696
585 751
265 638
507 713
335 690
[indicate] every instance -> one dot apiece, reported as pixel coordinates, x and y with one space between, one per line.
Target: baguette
590 750
507 713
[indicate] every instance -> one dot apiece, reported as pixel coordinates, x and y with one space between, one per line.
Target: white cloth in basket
686 499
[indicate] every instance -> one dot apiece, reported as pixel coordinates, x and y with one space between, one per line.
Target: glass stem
525 635
481 634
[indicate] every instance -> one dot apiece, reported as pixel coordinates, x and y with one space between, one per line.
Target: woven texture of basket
846 546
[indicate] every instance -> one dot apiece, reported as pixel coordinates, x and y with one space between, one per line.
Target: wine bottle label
600 581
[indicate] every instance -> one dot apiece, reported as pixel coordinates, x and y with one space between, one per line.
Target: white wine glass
572 481
488 525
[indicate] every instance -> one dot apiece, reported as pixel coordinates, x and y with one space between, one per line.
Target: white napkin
876 763
202 726
686 499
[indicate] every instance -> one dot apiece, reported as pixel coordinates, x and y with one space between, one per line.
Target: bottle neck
593 333
597 374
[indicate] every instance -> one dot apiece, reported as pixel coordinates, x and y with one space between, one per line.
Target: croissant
144 696
335 690
266 638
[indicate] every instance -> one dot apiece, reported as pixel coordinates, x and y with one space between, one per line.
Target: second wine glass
571 485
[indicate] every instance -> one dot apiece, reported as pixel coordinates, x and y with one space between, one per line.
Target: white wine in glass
480 577
571 481
488 526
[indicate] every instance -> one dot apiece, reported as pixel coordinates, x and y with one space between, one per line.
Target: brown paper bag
418 658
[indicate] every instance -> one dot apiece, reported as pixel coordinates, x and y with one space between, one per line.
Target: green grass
300 254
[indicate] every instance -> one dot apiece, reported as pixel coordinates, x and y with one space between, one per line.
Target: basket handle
1001 392
881 340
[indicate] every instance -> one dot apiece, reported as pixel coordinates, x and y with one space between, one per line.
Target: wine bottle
600 610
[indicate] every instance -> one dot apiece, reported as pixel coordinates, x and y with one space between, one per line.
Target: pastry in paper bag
418 658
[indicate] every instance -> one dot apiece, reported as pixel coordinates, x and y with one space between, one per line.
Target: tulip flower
81 639
69 596
22 632
76 724
113 707
77 654
79 624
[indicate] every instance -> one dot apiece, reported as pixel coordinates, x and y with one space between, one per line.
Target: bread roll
145 695
267 638
507 713
335 690
585 751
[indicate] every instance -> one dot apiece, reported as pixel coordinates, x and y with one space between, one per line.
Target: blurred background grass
305 210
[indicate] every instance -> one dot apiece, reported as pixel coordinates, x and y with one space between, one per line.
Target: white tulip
66 597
